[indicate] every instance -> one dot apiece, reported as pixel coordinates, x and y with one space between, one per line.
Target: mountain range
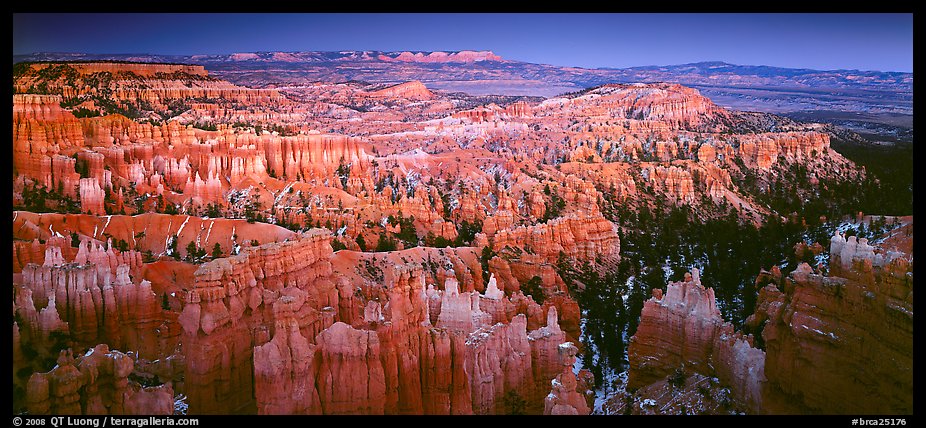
871 102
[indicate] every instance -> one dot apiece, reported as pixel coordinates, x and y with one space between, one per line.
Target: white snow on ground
610 377
108 219
831 335
210 230
166 238
181 226
282 193
180 405
822 258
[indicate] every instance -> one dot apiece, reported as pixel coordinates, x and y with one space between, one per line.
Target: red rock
285 367
563 399
214 315
498 359
40 129
414 90
837 325
160 84
285 326
676 182
808 320
684 329
583 238
706 153
91 196
545 357
351 378
763 150
96 304
95 384
460 311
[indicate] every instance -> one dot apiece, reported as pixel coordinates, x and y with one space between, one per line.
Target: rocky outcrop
498 359
41 128
91 196
821 334
676 329
414 90
130 83
835 326
140 69
96 303
545 342
563 398
394 360
676 182
95 383
351 379
285 367
229 292
202 192
583 238
284 326
90 253
493 112
684 330
145 232
764 150
672 104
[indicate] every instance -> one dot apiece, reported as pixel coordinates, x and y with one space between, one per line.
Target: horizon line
463 50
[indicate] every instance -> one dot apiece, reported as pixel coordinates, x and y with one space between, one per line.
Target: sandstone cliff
95 383
409 90
836 326
820 335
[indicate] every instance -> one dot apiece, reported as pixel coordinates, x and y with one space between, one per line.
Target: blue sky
820 41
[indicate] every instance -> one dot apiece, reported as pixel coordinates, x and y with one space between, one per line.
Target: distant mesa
466 56
462 56
413 90
140 69
243 56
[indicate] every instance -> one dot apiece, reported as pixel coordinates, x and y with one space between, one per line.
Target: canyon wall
820 335
95 383
279 310
584 238
823 332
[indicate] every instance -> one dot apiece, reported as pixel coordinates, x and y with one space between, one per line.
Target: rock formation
162 82
393 360
95 383
821 334
218 378
409 90
676 329
462 56
583 238
366 246
563 399
836 326
98 301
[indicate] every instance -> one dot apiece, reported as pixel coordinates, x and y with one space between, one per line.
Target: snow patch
181 226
